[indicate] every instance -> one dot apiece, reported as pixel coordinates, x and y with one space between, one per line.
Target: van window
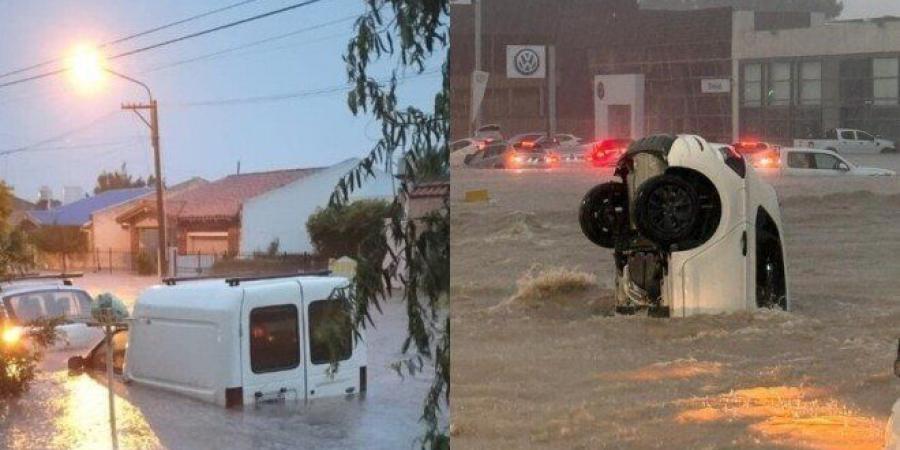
328 319
274 338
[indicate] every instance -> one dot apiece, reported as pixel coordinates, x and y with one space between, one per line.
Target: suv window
274 338
31 306
826 162
848 135
801 160
328 319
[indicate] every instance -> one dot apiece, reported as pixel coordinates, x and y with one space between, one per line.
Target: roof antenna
239 167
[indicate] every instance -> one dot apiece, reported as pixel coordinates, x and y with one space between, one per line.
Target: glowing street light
87 68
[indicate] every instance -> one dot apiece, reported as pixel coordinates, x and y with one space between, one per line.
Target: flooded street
63 412
562 374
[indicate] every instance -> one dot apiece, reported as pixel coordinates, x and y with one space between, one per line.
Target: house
20 208
78 213
281 214
115 245
207 218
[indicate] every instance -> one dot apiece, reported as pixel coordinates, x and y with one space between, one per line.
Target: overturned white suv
694 230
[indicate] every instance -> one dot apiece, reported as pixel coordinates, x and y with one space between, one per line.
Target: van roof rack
236 281
65 277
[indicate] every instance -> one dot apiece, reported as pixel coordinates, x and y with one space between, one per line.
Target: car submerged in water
501 155
30 299
694 230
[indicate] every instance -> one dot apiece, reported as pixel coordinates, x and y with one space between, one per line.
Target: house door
620 121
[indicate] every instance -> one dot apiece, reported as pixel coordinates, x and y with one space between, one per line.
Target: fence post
109 250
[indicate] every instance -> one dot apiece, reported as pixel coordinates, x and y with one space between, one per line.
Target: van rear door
326 318
272 343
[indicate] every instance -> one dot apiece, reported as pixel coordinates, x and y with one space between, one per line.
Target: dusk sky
197 140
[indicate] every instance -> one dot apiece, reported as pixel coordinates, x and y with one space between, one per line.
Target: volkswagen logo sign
527 61
601 90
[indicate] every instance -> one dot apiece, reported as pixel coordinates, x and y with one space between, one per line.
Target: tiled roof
430 189
223 198
78 213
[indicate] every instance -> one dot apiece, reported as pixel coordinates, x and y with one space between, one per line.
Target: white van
244 340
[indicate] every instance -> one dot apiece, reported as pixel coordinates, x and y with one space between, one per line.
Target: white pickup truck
846 140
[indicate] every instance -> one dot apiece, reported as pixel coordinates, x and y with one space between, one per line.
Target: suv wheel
604 213
666 208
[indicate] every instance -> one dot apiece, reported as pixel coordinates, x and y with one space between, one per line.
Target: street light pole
153 123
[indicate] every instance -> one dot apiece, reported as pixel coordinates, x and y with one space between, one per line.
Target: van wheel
666 209
770 281
604 213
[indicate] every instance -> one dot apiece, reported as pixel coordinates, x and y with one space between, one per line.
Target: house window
328 320
885 79
811 83
274 338
752 85
779 86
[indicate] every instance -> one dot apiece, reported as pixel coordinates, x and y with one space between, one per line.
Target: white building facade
281 214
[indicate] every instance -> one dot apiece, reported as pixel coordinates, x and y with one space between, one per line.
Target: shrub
355 230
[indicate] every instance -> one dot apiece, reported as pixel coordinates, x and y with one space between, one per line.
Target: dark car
500 155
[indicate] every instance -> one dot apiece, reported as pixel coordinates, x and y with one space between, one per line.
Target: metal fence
182 265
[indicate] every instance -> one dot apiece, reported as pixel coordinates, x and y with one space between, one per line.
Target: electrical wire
171 41
133 36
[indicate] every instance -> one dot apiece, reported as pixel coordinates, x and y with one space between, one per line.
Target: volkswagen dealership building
621 71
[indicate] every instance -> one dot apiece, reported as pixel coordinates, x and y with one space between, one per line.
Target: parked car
811 162
525 139
489 132
752 148
606 153
694 230
241 340
41 297
847 140
499 155
462 148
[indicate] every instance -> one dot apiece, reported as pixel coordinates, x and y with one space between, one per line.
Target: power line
133 36
226 51
60 136
173 40
293 95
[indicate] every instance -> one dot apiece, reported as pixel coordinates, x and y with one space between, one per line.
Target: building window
327 320
810 83
274 338
885 78
752 89
779 86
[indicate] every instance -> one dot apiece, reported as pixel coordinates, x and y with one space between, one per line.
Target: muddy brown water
819 377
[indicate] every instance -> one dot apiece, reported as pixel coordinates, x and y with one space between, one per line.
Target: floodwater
557 374
70 412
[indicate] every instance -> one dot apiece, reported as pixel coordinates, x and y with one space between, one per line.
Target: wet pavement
70 412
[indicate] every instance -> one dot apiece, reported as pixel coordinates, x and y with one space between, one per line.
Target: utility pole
478 61
551 91
153 123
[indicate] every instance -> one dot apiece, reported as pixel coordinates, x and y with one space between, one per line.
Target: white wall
619 90
282 213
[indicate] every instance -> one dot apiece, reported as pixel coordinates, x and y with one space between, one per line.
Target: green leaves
417 248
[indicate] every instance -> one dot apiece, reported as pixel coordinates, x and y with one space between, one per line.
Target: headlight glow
12 335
